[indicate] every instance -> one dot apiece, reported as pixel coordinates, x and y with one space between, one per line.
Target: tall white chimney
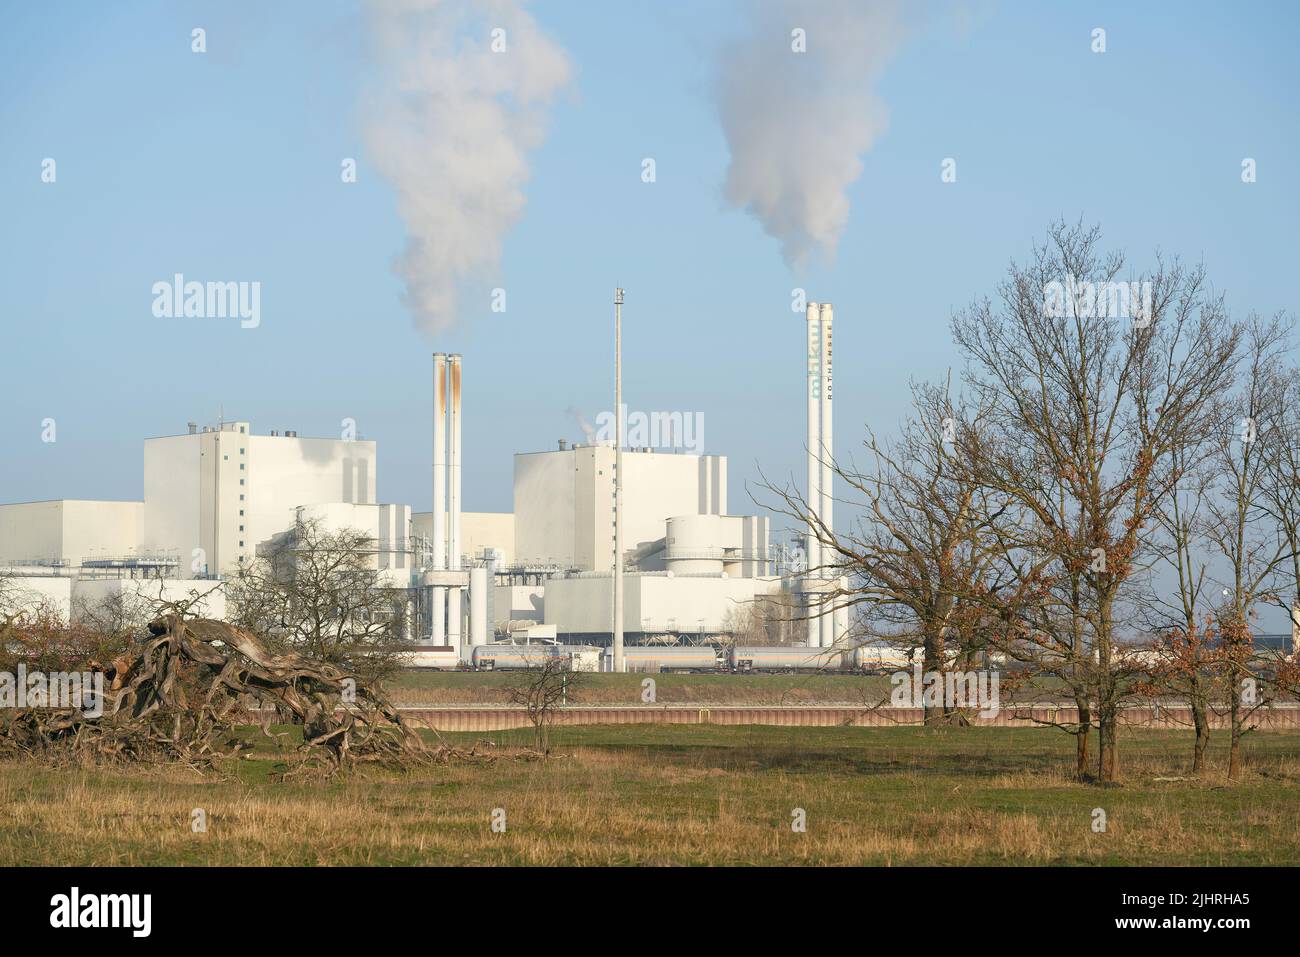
453 508
814 498
617 637
438 612
826 509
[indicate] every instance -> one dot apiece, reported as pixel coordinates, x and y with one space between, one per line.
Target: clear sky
226 166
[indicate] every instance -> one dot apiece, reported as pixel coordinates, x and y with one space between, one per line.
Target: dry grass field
681 795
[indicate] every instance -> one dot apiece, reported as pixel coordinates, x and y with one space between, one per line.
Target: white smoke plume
450 125
798 123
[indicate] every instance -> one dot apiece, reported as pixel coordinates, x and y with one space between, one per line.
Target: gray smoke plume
463 94
798 123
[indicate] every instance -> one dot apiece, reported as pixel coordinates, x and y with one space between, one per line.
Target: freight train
680 658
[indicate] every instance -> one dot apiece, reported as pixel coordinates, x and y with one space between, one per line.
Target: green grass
682 794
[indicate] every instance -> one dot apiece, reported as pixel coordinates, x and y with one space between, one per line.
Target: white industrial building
213 496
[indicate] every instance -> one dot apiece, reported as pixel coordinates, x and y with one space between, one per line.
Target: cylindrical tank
506 656
478 602
693 545
673 658
785 658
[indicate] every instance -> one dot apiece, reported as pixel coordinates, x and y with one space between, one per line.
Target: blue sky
226 166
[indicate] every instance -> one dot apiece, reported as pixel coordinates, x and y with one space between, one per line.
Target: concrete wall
69 530
102 529
517 603
651 603
31 530
142 595
17 594
224 492
478 530
564 501
545 508
387 525
171 499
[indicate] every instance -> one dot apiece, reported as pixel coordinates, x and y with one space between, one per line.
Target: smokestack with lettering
826 510
813 389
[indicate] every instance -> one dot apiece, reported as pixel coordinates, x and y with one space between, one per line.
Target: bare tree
119 616
1186 634
1280 498
766 620
921 544
545 686
1241 530
1086 402
321 595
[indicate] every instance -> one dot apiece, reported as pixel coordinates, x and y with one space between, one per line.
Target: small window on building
241 528
225 458
241 481
241 429
241 496
241 466
241 451
241 544
241 511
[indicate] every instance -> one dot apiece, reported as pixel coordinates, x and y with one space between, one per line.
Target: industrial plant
630 553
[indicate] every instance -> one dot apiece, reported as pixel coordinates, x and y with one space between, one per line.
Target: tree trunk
1234 750
933 660
1202 723
1107 745
1295 629
1081 741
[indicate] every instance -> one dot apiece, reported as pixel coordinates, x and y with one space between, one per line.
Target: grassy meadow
681 794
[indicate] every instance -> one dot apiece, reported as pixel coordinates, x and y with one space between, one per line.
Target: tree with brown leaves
1085 404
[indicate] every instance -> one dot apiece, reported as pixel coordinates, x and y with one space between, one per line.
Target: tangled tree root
177 697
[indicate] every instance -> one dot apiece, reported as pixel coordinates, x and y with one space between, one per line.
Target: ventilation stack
438 593
446 578
826 508
454 604
814 499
